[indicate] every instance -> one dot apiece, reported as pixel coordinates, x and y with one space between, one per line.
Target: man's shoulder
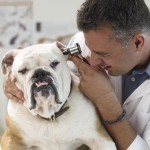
77 38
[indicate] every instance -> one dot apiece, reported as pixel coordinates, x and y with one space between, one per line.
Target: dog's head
42 74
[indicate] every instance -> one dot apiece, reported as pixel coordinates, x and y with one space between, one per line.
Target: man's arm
95 84
121 131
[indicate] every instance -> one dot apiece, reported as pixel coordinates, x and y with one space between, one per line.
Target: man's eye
54 64
23 71
105 55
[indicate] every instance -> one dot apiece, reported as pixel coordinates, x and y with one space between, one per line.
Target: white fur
79 125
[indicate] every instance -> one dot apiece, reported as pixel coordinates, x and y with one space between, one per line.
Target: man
117 32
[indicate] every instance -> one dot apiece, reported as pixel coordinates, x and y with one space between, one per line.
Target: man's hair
125 17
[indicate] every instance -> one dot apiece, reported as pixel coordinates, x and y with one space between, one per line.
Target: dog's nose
40 73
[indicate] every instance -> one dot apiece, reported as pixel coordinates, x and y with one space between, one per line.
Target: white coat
137 104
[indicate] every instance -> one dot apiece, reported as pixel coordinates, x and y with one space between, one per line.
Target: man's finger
98 67
13 79
18 93
14 98
9 90
80 63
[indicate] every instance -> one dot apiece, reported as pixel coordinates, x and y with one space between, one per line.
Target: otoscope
75 50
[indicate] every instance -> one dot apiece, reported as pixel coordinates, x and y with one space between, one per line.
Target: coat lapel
142 90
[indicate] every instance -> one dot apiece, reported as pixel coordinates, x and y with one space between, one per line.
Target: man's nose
96 59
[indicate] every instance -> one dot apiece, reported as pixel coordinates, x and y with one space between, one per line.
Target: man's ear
7 60
139 40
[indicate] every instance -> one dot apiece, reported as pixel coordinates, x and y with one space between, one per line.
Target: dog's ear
8 59
62 47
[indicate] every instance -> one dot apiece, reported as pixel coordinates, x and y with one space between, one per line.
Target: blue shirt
133 79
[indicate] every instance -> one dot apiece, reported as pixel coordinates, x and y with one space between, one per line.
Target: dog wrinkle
45 107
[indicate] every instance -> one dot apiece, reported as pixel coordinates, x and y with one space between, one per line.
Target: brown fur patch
11 140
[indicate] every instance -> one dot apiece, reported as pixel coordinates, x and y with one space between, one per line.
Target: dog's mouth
46 87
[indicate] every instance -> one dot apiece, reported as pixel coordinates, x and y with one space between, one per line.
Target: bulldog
55 114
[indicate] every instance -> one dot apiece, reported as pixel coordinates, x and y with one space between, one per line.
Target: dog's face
43 75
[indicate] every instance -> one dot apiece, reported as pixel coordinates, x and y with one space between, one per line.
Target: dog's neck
62 110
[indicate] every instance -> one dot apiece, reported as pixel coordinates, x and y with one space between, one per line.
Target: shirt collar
140 71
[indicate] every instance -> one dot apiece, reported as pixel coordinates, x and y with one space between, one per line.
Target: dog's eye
54 64
23 71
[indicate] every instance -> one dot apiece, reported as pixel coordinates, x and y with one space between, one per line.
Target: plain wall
55 10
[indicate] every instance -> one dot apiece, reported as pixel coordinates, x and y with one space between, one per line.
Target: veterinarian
116 34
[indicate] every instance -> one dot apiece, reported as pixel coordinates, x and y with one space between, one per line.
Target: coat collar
142 90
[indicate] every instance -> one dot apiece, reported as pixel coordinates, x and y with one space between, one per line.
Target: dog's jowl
55 115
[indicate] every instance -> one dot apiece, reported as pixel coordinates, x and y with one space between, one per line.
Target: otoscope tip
65 52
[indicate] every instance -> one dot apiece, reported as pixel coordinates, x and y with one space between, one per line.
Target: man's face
107 52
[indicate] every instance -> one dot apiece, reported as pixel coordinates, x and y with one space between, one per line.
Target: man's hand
96 85
94 82
11 91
